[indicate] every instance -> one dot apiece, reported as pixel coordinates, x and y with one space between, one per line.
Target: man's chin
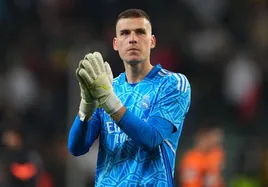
133 62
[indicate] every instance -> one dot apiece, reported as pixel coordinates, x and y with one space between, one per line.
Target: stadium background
220 45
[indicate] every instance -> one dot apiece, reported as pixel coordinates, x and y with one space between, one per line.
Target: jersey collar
154 71
150 75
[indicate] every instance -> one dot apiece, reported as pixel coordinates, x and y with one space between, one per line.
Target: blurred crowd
220 45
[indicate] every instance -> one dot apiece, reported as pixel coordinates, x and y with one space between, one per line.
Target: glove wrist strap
112 104
86 109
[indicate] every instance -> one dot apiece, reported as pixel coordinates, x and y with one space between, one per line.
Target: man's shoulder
169 78
170 75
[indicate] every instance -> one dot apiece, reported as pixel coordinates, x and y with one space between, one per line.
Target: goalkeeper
138 116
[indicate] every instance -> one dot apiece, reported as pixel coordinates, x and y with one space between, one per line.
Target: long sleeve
83 134
167 115
147 134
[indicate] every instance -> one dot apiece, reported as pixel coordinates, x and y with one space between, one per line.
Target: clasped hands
95 80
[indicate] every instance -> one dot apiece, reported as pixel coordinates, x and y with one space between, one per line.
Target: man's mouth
133 49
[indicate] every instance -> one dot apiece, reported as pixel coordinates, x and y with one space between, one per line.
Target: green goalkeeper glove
87 103
96 73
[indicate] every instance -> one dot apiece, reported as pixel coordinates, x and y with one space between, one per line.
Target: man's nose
133 39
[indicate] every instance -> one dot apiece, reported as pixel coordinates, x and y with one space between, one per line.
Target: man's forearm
147 134
82 135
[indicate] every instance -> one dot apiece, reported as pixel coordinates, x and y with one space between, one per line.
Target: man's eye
124 33
140 32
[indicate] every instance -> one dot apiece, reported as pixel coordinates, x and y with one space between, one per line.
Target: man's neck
136 73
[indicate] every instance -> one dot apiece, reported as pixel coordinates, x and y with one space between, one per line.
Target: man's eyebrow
124 30
141 29
137 29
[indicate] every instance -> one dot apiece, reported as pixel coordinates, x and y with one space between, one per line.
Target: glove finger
77 73
87 79
85 94
94 63
98 60
88 57
89 69
80 79
108 71
80 64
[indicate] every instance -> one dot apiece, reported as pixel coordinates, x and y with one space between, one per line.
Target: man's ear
153 41
115 44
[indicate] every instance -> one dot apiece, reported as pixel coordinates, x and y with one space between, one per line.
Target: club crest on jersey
145 103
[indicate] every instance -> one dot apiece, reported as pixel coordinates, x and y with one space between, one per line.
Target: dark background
220 45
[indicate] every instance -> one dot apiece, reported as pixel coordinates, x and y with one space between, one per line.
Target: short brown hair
133 13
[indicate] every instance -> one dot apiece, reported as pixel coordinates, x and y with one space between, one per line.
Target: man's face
134 40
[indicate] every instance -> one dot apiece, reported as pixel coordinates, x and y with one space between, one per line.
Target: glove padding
97 75
88 104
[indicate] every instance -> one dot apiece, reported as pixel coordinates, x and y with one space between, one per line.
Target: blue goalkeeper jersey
122 162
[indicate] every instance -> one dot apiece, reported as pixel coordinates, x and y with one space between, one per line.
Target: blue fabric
147 134
83 134
140 149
